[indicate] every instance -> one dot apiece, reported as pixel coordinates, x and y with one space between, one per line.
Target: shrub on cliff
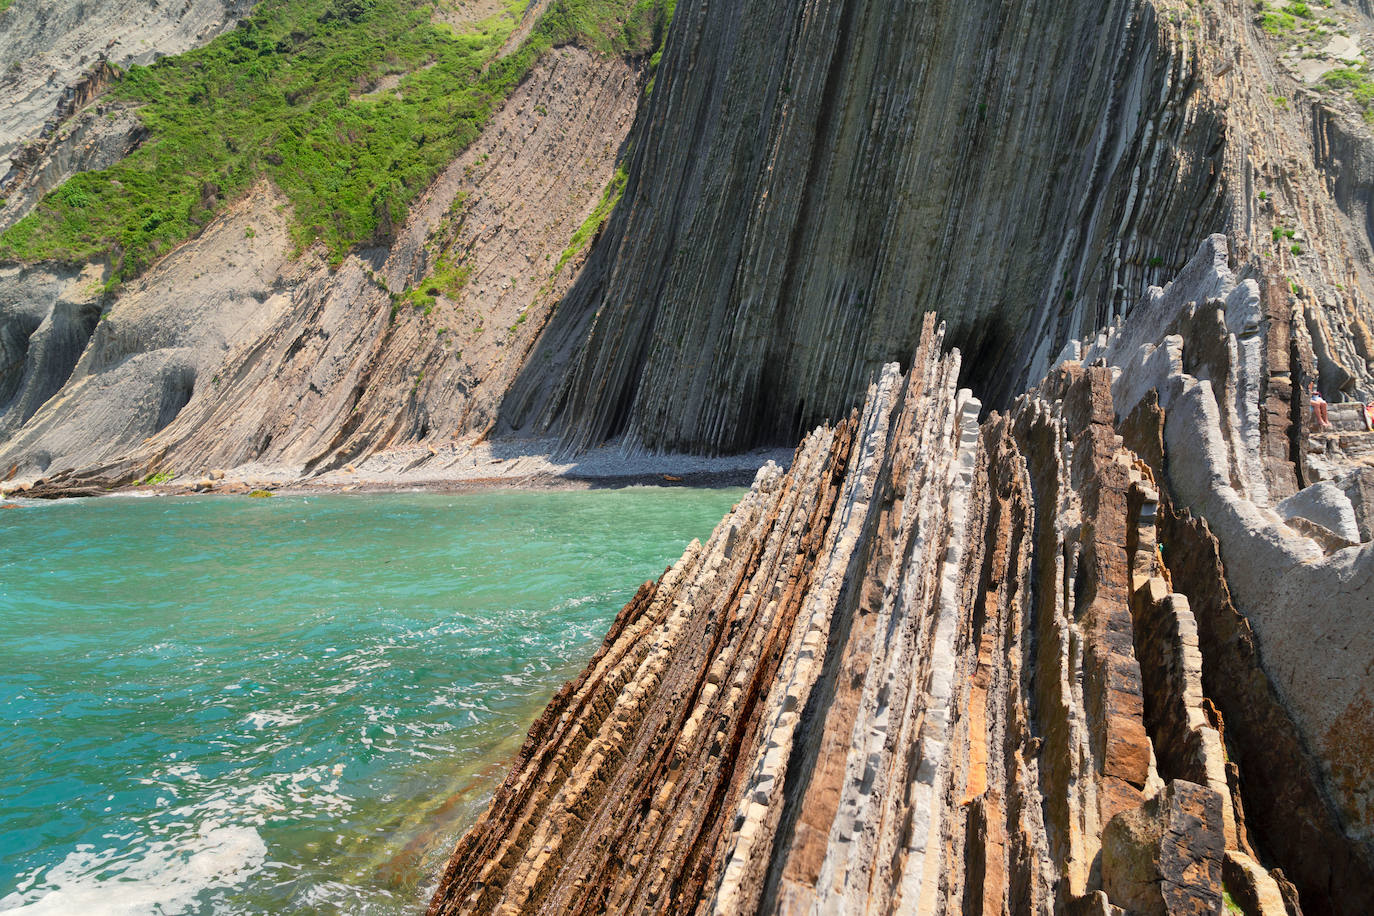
287 96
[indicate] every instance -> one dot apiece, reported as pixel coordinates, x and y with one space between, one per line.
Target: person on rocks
1369 416
1318 407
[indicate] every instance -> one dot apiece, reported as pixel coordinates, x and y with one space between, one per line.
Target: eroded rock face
53 53
233 350
809 178
805 180
945 666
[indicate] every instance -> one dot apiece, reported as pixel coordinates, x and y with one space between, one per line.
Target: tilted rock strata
96 138
938 666
808 178
231 352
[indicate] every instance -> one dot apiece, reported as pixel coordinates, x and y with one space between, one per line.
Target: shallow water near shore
290 704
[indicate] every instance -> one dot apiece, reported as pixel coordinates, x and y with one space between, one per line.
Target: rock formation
1077 622
1059 661
809 178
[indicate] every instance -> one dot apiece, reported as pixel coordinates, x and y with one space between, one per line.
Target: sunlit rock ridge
1063 602
1093 654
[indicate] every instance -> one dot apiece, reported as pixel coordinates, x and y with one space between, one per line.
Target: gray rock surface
809 177
95 138
1305 594
1327 505
163 340
47 46
46 319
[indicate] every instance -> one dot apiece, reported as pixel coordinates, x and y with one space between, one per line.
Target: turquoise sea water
289 705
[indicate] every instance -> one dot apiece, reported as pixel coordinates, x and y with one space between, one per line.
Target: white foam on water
272 718
167 878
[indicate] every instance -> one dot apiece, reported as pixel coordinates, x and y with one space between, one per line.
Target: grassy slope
283 96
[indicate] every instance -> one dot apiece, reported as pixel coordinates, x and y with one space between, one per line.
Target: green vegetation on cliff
592 224
1356 83
296 94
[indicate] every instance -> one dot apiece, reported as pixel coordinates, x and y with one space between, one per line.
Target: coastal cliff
1061 605
1056 661
737 216
809 178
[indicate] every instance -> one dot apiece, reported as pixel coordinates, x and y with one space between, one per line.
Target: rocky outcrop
55 55
232 351
79 136
1080 623
1027 665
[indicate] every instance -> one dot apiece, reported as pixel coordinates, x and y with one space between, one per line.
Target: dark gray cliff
809 177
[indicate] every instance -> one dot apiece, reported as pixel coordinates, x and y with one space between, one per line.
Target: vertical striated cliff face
809 178
1059 661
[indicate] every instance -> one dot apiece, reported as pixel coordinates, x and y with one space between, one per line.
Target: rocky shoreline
1025 665
484 466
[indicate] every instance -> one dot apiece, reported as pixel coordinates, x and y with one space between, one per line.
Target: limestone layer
230 351
1057 662
809 177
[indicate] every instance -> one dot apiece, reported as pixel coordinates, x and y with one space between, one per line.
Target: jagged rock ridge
1026 665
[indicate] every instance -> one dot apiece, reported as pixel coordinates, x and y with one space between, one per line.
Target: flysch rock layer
804 181
809 177
1059 661
230 352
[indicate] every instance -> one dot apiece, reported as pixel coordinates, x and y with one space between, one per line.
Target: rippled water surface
290 704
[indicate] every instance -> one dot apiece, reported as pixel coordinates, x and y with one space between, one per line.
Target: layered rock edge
810 177
1062 660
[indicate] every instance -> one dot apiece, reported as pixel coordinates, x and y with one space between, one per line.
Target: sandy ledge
518 464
